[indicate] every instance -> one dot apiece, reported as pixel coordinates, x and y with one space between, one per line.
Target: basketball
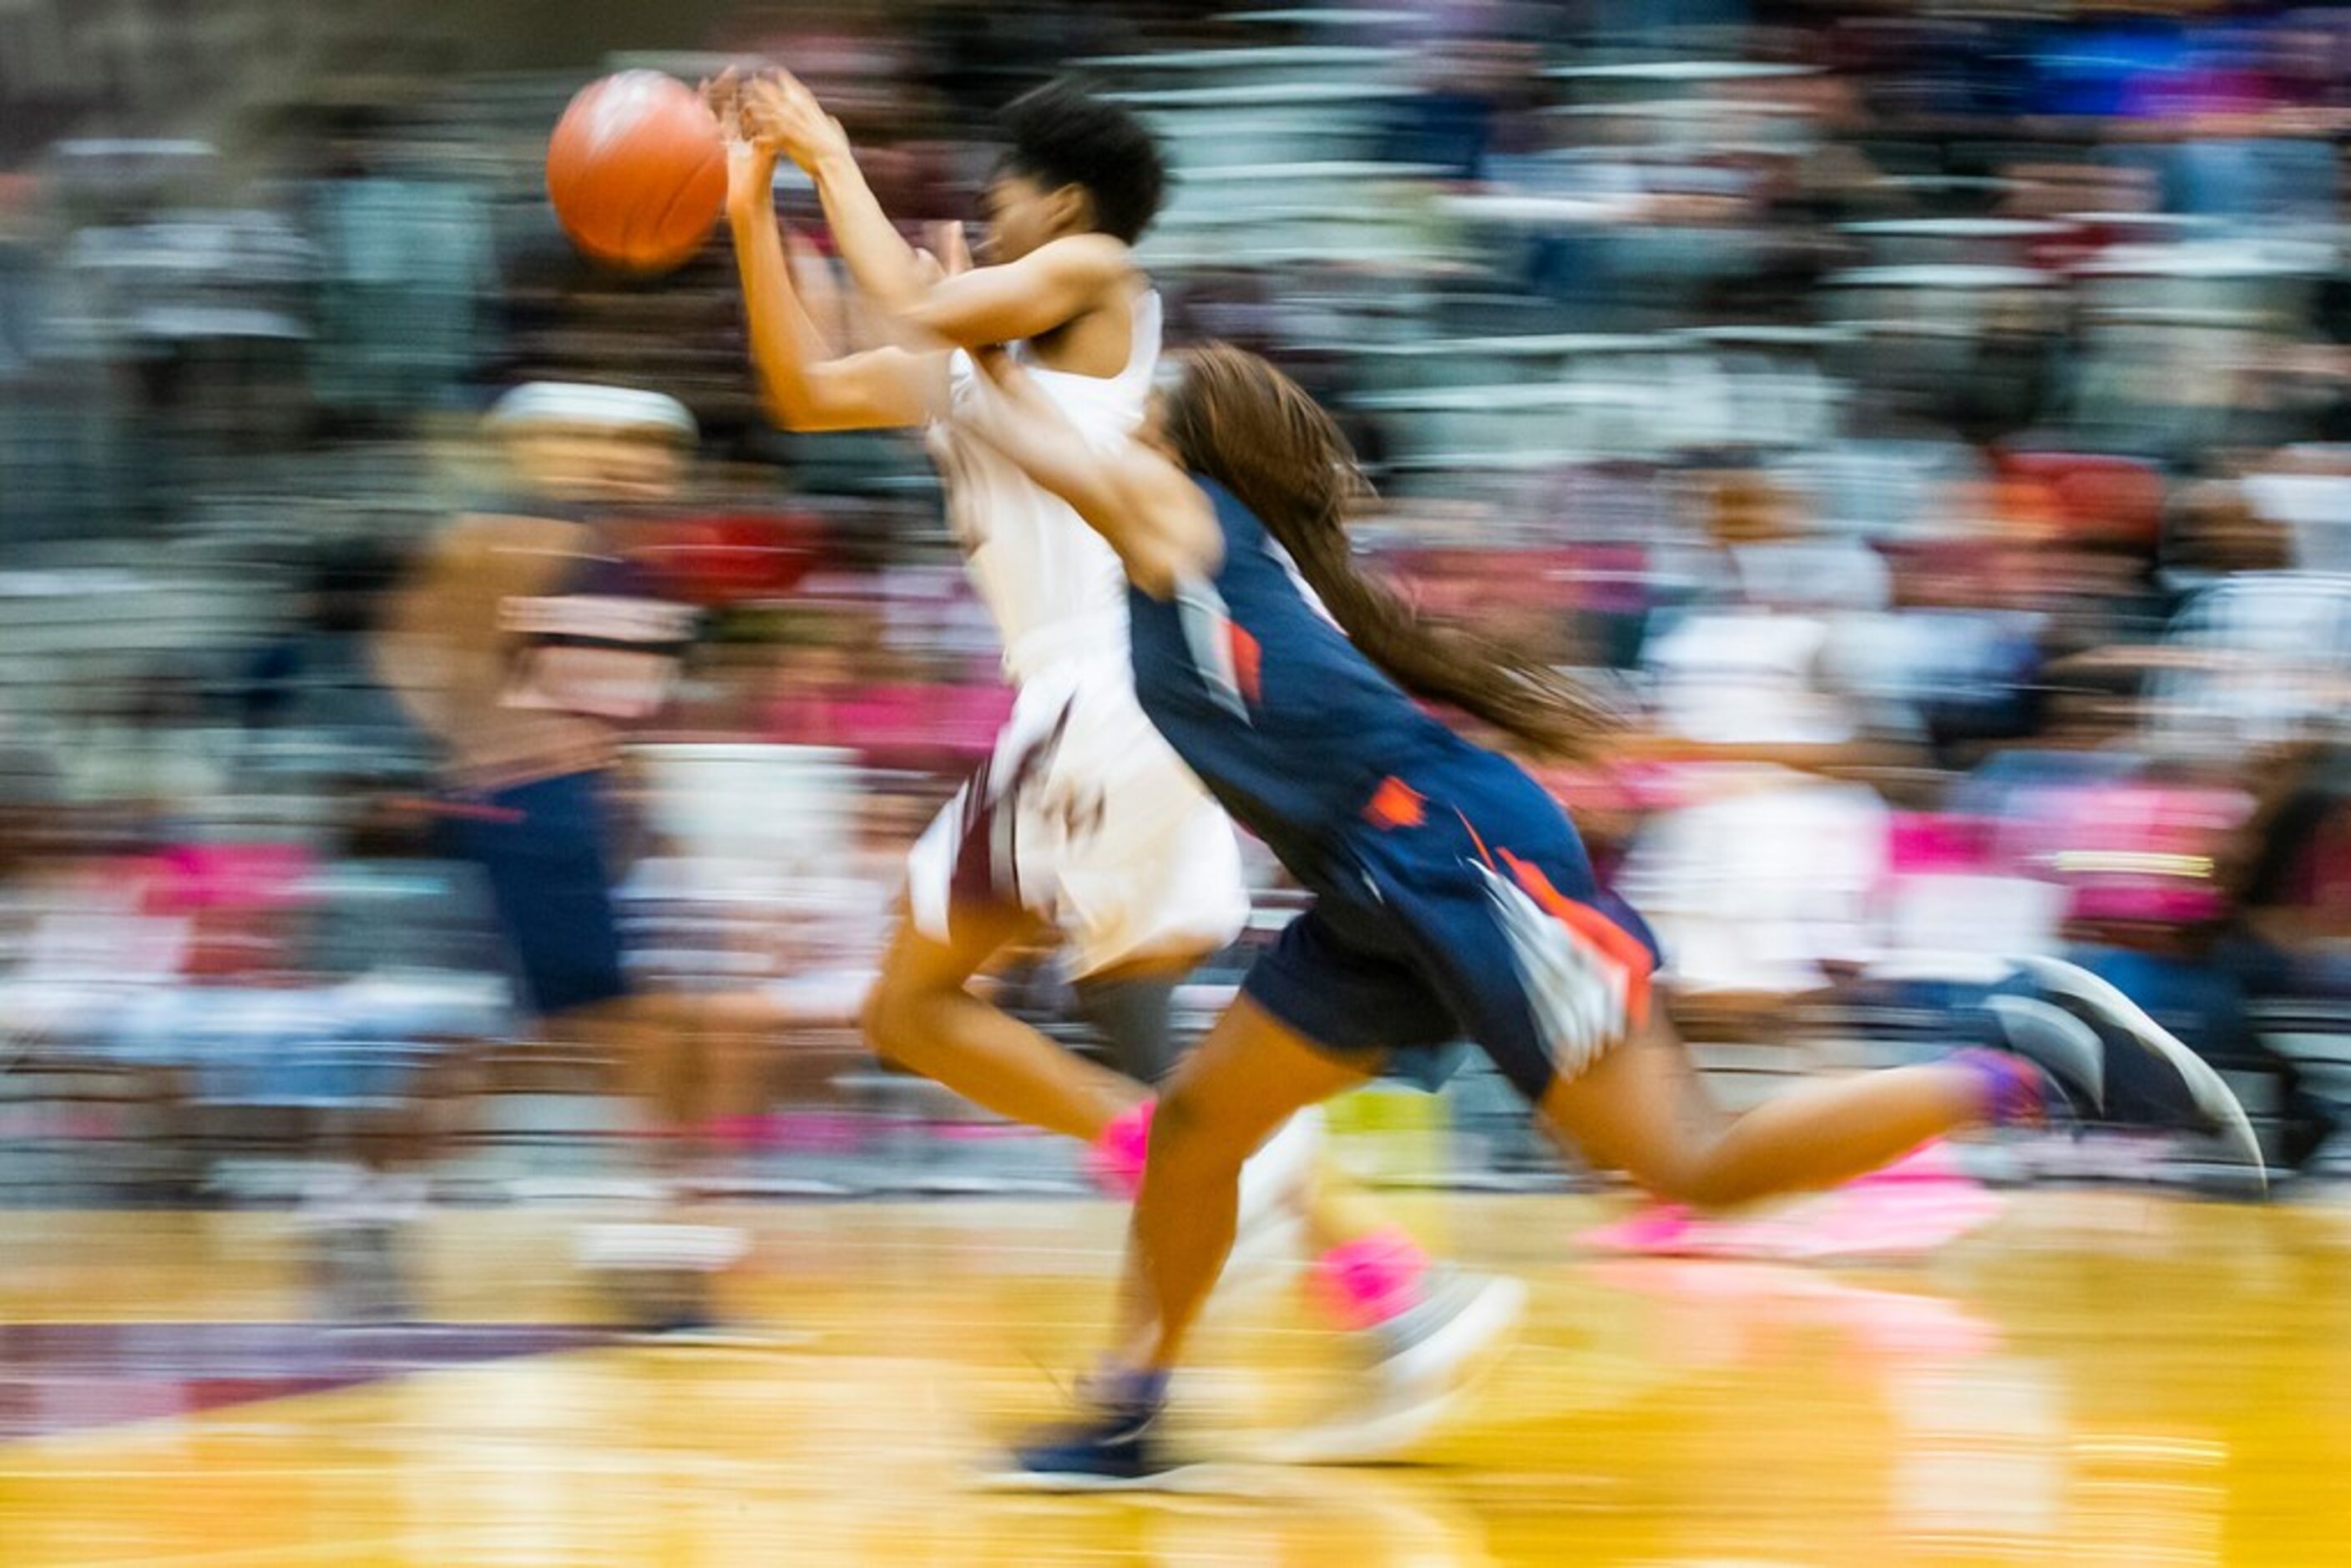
637 170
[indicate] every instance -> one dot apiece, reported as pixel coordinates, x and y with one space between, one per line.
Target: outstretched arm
803 386
1160 523
972 310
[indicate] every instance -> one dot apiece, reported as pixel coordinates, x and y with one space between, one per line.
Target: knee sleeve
1135 1018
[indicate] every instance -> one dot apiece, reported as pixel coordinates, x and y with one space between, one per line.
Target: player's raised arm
1161 524
1050 282
1024 299
779 111
803 385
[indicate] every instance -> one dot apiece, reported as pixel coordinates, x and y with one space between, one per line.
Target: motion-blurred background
1934 421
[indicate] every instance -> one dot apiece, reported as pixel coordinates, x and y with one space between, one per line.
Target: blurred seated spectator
2258 659
2302 492
1760 885
2211 531
2292 872
1474 95
890 711
2174 894
1759 877
1749 670
406 302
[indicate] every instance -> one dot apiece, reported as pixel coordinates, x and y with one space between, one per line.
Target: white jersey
1081 814
1055 589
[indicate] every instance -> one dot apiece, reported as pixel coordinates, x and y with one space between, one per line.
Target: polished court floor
2103 1378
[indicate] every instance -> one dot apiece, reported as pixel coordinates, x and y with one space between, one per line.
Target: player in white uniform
1082 820
1082 815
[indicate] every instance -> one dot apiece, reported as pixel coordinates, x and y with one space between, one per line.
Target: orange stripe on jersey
1248 663
1395 804
1618 945
1483 853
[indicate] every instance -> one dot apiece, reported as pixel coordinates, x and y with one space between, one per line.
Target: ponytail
1243 423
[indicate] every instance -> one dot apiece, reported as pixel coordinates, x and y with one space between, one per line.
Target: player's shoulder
1098 259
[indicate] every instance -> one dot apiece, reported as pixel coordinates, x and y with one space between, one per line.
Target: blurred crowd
1933 424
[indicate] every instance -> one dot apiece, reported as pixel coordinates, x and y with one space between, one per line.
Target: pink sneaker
1895 1325
1371 1280
1658 1229
1897 1216
1116 1160
1900 1218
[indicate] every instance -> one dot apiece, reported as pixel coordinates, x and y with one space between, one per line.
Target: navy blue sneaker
2113 1062
1120 1447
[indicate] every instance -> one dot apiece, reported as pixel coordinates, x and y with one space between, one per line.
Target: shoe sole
2210 1093
1187 1479
1484 1330
1481 1329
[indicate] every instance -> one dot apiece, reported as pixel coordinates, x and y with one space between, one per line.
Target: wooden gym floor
2097 1378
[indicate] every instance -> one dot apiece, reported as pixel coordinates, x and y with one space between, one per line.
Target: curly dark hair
1061 134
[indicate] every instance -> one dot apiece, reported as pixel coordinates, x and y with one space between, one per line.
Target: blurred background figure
521 642
530 638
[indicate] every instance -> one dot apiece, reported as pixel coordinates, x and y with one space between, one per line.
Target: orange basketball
637 170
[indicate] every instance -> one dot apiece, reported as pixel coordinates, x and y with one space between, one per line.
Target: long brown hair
1235 419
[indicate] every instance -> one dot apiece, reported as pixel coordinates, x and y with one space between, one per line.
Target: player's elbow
1164 537
785 413
947 329
815 405
811 415
1151 578
952 320
789 407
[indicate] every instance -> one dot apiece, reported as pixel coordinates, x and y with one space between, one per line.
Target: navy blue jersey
603 642
1452 896
1286 722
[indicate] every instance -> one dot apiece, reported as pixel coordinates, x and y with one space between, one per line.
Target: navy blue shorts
542 846
1473 914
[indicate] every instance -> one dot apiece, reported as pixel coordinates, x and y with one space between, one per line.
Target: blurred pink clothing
895 721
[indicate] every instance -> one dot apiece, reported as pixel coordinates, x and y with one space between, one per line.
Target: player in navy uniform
1453 897
525 643
521 643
